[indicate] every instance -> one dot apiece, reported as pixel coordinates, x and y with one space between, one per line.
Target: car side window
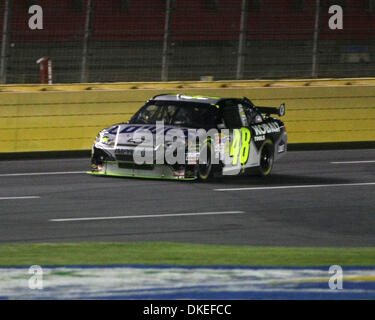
253 117
209 117
147 115
230 114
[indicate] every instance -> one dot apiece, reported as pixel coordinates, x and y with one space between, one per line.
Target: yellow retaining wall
68 117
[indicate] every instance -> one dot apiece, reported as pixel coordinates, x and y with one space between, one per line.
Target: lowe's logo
146 128
264 128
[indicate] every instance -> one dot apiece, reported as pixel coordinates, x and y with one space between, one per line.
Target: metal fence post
242 42
4 43
164 64
316 38
86 38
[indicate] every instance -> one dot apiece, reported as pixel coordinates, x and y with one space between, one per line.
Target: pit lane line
40 173
19 198
352 162
148 216
300 186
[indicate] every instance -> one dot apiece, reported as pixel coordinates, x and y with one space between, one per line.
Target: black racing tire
266 158
98 156
205 166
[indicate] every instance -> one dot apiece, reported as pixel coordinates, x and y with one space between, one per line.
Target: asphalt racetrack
313 198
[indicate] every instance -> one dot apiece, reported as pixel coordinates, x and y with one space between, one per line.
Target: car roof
187 98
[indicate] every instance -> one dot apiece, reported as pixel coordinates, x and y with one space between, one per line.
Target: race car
184 137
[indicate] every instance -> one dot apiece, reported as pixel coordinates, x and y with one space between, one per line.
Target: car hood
134 134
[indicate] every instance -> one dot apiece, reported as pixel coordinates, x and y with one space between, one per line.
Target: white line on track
19 198
352 162
149 216
301 186
40 173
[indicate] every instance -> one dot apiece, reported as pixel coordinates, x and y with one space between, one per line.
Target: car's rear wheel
266 158
205 163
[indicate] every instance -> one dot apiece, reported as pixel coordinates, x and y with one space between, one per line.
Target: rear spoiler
280 111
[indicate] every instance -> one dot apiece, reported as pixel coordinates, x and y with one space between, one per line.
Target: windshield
184 114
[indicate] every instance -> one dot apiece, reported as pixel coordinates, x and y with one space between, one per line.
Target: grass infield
152 253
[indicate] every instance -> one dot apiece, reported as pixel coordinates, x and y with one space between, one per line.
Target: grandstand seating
126 39
192 20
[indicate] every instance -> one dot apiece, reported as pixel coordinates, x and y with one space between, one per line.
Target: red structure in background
192 20
45 64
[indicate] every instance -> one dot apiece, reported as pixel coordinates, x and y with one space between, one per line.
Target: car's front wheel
266 158
205 163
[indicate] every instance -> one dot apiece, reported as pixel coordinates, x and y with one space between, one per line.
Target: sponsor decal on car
128 152
260 138
180 174
192 157
145 128
262 129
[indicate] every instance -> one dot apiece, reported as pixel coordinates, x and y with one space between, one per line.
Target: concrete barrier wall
68 117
